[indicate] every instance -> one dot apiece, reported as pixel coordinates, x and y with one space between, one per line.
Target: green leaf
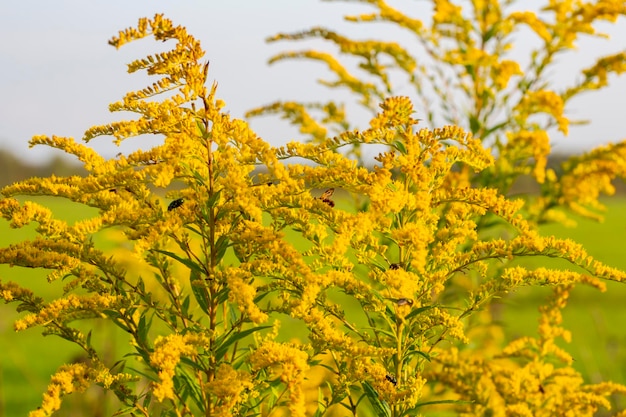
141 286
412 353
201 127
148 376
491 32
187 262
380 331
199 291
379 265
475 124
191 389
221 246
192 363
260 296
118 366
213 199
221 213
418 311
390 313
381 408
320 401
143 327
222 295
28 306
185 306
88 341
220 352
128 411
493 129
147 400
193 229
399 145
414 409
200 180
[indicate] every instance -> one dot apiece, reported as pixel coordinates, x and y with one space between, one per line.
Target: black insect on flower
175 204
391 379
394 266
325 197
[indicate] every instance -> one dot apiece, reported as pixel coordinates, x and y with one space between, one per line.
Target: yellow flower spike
290 363
231 387
59 309
68 379
503 71
447 12
296 113
534 23
543 101
243 294
91 160
167 354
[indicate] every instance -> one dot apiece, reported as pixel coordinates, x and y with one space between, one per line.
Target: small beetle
176 203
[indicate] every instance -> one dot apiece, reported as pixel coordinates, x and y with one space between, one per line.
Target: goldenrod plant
246 283
490 66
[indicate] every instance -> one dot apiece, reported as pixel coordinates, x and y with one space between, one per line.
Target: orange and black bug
391 379
394 266
325 197
174 204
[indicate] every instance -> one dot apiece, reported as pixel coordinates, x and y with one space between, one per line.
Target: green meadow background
597 320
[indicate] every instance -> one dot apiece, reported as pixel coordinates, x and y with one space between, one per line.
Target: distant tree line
14 168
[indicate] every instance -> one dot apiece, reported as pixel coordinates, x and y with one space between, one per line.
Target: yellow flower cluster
495 97
526 144
167 354
63 308
583 180
231 387
542 101
297 114
243 294
500 388
289 364
68 379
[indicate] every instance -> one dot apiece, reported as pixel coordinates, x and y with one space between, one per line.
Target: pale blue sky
58 74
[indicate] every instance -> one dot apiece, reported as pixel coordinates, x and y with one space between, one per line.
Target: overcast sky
58 74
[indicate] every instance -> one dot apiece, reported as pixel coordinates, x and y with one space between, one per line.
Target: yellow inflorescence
290 364
167 354
69 379
379 269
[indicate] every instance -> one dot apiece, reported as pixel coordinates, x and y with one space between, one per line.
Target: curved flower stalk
465 69
530 377
246 284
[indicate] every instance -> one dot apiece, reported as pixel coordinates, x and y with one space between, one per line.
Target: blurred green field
596 319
